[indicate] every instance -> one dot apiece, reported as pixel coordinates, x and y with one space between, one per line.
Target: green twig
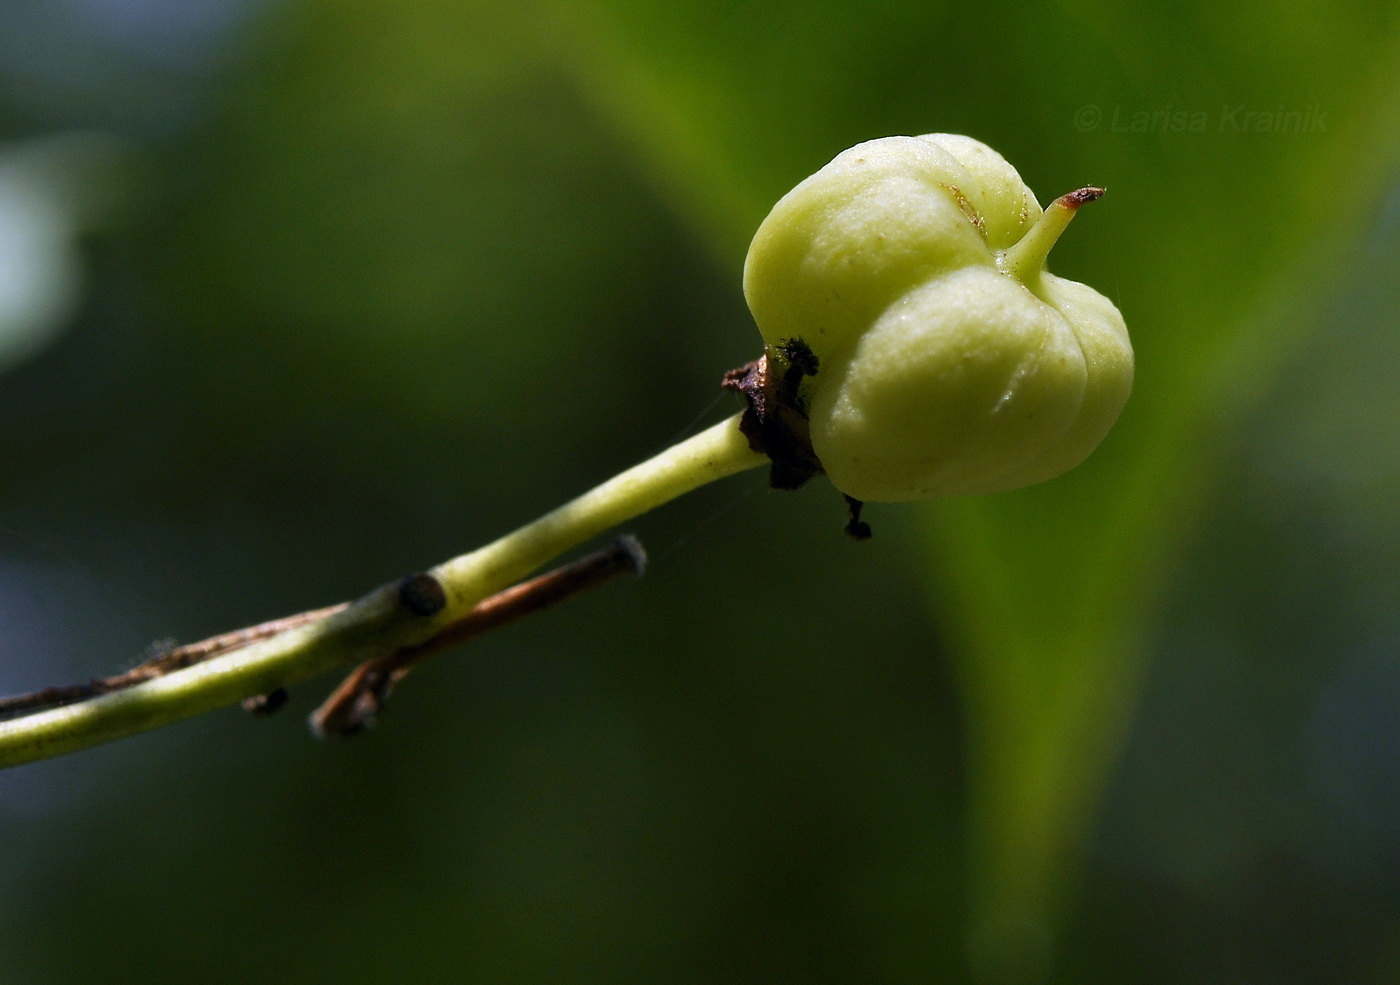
390 618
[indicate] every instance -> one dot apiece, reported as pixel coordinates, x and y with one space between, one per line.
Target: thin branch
374 679
165 662
393 617
355 704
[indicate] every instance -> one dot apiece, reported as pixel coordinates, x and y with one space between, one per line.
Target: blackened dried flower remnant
775 421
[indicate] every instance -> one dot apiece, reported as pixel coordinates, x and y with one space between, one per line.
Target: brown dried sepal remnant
775 421
1083 196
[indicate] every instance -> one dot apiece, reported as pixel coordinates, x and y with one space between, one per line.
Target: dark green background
367 284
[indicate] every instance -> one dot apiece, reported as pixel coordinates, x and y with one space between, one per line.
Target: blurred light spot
51 190
39 273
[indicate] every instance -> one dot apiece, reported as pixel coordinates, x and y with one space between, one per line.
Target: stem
1027 257
380 622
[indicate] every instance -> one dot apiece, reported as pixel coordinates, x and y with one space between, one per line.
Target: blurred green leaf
1216 240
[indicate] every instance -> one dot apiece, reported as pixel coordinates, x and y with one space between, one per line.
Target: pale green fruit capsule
951 361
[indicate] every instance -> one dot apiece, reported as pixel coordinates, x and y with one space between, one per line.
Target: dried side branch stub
355 705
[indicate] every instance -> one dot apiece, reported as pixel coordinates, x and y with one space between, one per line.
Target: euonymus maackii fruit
950 361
